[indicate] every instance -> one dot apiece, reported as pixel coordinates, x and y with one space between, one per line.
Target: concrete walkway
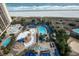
74 44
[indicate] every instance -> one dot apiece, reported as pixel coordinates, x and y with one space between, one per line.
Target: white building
5 19
14 29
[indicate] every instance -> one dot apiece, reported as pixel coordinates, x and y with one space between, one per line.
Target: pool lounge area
42 50
33 30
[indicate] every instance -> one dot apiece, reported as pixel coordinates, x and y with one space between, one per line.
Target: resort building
14 29
5 19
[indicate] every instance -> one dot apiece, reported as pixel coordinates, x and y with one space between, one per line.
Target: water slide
24 34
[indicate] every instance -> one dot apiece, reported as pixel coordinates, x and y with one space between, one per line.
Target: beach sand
54 13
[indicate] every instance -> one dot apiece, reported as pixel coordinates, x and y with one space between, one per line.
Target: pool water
6 42
21 40
29 53
45 54
40 48
57 52
76 30
42 30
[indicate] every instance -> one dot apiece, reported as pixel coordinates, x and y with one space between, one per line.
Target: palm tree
62 39
23 21
41 38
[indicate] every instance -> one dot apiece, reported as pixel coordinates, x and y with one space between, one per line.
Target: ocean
41 6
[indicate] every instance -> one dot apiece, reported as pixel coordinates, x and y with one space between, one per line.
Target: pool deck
74 44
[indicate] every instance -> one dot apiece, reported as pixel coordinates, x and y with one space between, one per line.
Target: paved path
74 44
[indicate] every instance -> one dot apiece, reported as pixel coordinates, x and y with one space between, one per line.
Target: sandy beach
48 13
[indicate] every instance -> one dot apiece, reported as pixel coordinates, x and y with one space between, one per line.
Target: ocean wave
18 8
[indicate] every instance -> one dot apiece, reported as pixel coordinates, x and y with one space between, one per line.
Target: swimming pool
75 33
45 54
76 30
42 30
30 53
6 42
